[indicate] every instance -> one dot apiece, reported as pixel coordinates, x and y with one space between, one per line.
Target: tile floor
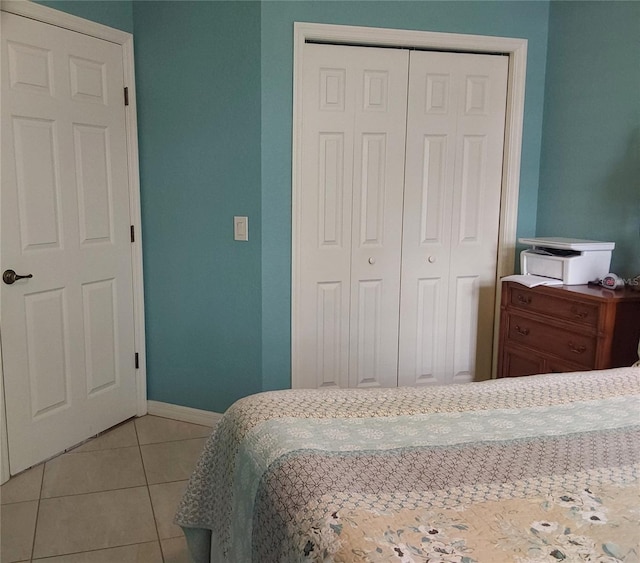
110 500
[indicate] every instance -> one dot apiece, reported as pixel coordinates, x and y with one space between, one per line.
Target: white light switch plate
241 228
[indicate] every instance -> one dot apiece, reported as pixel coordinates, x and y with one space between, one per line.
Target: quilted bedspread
530 469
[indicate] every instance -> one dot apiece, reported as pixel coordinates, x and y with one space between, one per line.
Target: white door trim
516 49
73 23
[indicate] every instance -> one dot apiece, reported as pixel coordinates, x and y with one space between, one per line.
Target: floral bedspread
530 469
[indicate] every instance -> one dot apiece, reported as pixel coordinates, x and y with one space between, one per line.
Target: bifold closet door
350 216
456 116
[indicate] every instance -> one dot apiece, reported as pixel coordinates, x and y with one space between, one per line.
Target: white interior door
455 137
350 220
67 332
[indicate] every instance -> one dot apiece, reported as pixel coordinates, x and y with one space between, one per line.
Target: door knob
9 277
372 260
431 259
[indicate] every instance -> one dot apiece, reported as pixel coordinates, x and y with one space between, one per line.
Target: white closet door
350 216
455 138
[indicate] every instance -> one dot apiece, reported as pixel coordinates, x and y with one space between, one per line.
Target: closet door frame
515 49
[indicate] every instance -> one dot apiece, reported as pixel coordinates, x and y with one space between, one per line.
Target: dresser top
588 291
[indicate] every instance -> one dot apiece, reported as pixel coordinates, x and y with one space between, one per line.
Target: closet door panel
428 201
324 233
367 354
482 83
329 333
430 345
433 197
463 346
451 213
378 181
350 210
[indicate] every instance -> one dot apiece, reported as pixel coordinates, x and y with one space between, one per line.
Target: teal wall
590 161
198 96
114 13
214 86
509 19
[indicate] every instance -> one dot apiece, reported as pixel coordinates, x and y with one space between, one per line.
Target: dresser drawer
574 347
557 307
516 363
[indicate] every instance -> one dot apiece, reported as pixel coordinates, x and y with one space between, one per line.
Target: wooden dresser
566 328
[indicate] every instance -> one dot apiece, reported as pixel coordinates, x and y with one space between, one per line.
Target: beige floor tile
171 461
121 436
165 498
88 472
23 487
175 550
154 429
138 553
16 534
94 521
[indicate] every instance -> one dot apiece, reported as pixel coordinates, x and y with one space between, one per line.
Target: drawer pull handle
581 349
522 331
524 299
579 314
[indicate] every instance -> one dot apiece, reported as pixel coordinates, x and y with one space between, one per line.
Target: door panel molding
70 22
515 48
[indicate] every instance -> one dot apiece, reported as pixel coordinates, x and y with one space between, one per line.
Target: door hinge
133 234
137 361
126 95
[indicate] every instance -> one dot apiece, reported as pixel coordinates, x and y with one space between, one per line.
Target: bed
530 469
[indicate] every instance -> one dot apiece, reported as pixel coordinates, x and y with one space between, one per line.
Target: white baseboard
185 414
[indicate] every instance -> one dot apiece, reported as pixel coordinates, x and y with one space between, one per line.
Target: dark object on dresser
566 328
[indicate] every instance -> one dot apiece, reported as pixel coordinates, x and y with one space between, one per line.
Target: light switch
241 228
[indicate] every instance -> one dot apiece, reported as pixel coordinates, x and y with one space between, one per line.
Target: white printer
574 261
